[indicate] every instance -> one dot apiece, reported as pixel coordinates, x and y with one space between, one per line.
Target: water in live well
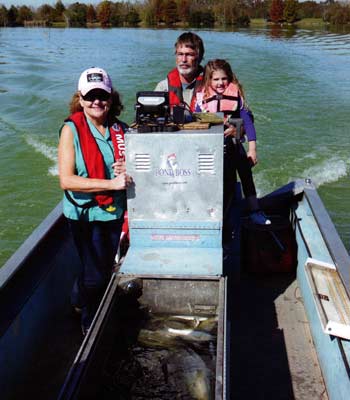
297 84
158 356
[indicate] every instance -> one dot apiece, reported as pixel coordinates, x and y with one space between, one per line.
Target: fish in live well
156 322
192 321
209 325
169 338
172 359
192 334
180 323
157 339
186 366
162 331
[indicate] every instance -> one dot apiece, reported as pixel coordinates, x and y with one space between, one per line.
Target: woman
92 174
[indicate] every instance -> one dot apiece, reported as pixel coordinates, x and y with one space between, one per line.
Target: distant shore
305 23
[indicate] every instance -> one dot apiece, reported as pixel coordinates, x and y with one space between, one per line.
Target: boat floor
272 352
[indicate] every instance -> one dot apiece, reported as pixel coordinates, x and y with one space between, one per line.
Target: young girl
222 92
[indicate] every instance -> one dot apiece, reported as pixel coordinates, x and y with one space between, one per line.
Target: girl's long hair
115 109
219 64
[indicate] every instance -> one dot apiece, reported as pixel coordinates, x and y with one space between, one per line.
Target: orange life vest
226 102
175 88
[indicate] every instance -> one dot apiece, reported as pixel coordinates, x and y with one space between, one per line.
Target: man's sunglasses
92 96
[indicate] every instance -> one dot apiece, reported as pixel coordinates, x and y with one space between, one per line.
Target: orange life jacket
175 88
226 102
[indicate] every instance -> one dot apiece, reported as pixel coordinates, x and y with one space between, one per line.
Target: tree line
194 13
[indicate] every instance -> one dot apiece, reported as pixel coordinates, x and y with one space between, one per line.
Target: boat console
173 268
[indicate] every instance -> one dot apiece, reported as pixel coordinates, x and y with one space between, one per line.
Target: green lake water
298 86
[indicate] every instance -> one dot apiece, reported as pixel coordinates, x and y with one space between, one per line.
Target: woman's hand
119 167
121 182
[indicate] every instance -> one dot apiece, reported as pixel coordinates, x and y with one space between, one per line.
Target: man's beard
187 71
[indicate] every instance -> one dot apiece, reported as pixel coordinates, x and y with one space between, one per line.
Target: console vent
142 162
206 163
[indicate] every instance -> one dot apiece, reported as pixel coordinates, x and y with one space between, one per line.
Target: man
183 81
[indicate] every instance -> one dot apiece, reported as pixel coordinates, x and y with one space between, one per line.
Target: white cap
94 78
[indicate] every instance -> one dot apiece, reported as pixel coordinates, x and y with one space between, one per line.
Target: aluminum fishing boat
279 294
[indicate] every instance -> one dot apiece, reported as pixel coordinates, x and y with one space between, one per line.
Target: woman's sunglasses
100 95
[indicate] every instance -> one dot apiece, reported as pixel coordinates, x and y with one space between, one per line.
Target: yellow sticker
110 208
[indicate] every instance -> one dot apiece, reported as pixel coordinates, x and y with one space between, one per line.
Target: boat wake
329 171
47 151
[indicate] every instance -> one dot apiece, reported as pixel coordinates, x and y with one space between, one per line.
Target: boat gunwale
333 242
19 257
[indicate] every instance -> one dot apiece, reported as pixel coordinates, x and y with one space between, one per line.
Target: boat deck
272 353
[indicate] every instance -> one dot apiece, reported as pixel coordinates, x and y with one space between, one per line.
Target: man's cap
94 78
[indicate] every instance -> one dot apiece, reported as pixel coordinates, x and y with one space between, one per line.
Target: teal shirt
94 213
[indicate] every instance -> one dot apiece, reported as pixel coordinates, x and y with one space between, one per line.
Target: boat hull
35 311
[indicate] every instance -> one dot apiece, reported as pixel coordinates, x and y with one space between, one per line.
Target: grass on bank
303 23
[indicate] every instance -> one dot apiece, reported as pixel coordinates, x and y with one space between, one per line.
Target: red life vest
92 155
226 102
175 88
